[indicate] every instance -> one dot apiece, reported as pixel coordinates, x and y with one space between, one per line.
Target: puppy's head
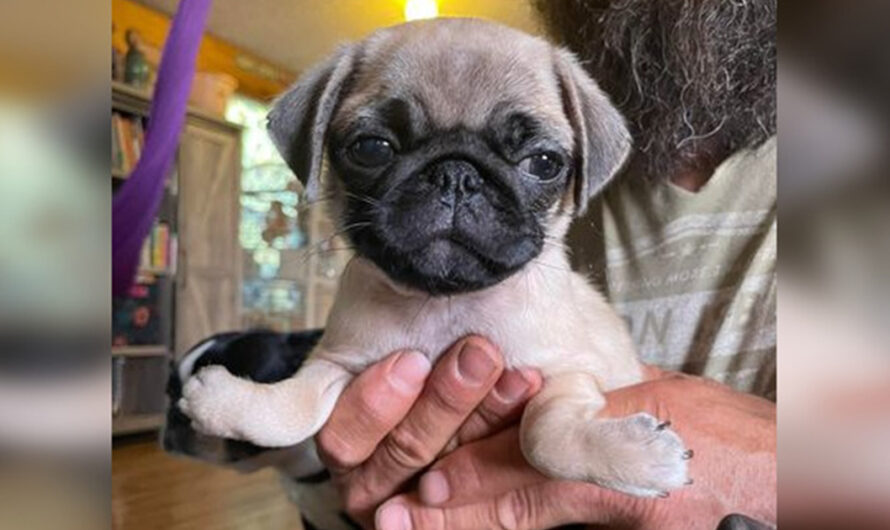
457 148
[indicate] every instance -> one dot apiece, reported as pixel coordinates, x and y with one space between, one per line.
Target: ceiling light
418 9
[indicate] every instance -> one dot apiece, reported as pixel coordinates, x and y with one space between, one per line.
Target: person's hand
488 484
393 421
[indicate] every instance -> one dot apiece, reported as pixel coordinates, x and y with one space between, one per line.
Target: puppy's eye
371 152
545 166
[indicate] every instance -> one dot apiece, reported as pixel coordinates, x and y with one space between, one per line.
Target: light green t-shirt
693 273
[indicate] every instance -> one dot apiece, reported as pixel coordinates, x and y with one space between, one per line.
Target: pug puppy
459 151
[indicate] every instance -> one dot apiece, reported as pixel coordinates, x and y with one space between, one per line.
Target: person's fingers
375 402
502 406
481 469
459 382
543 505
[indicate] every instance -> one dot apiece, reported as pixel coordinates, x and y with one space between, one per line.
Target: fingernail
474 363
394 517
511 386
433 488
409 371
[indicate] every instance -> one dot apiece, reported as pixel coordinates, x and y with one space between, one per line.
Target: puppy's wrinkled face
448 209
455 148
450 155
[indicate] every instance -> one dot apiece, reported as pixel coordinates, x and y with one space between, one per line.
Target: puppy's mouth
453 225
445 262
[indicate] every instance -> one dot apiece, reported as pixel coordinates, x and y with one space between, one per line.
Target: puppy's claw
688 454
689 482
658 454
664 495
663 425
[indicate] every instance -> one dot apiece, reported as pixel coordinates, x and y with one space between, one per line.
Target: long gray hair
696 79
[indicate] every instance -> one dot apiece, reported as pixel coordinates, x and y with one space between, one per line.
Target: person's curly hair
696 79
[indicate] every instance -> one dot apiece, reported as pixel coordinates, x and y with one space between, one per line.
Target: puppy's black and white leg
270 415
563 438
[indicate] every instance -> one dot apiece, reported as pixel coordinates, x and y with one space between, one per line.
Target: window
271 230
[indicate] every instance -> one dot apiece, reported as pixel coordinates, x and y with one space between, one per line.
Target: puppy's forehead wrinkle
403 115
459 70
519 124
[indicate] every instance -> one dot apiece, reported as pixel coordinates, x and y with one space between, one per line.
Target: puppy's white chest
544 318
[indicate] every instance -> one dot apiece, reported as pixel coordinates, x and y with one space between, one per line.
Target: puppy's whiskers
321 247
374 203
305 205
304 256
539 263
419 311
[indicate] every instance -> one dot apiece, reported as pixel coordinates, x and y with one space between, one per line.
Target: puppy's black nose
455 178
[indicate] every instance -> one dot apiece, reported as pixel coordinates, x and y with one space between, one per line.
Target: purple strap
136 202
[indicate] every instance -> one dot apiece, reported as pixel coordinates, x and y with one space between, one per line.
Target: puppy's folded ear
298 121
602 141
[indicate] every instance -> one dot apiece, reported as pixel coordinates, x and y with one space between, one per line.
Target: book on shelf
159 249
127 141
138 137
160 238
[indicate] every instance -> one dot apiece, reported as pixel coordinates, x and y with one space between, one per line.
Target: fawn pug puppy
459 151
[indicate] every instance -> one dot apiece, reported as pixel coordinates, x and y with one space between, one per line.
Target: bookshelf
187 286
139 351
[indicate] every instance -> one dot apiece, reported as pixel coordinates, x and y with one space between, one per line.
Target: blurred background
234 247
834 309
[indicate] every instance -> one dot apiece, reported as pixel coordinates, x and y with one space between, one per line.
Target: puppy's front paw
647 456
216 401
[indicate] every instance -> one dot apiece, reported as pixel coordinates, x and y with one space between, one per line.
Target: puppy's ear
298 121
602 141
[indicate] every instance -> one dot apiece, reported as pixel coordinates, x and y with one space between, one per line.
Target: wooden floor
152 490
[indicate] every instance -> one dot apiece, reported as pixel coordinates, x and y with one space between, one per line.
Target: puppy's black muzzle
456 179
